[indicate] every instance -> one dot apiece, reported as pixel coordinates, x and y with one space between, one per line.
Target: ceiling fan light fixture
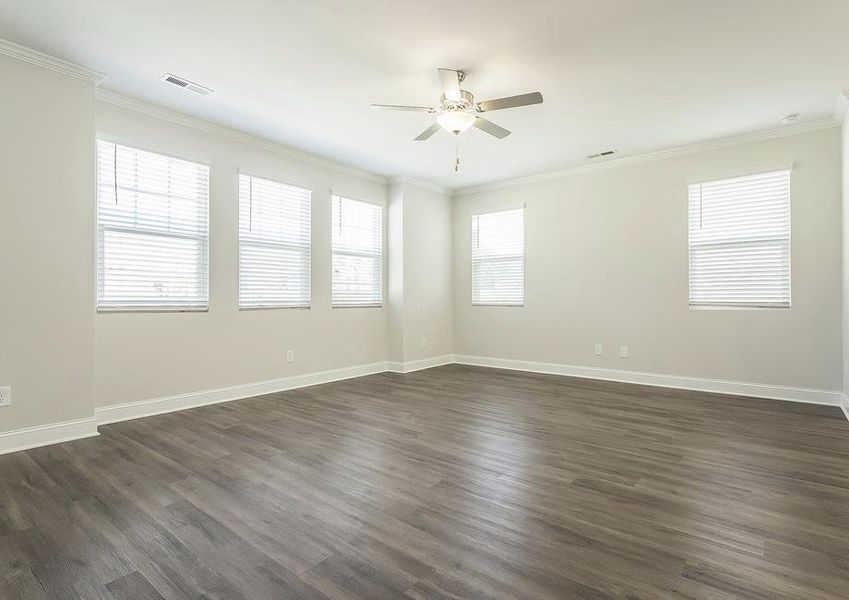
456 121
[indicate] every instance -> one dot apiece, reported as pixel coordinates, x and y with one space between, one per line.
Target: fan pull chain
457 155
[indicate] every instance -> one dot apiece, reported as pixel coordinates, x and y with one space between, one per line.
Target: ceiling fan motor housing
466 102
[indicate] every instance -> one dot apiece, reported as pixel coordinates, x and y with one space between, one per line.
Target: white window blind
274 244
498 258
740 241
152 231
357 243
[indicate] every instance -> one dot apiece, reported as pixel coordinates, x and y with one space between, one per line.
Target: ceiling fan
457 110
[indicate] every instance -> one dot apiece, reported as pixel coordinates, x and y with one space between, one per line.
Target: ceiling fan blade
403 107
450 83
510 102
491 128
428 132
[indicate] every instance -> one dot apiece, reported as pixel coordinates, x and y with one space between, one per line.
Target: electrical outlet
598 350
424 342
290 356
5 396
624 351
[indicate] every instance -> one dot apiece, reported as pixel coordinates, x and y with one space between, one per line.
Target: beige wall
141 356
395 286
420 266
844 154
606 262
427 273
46 245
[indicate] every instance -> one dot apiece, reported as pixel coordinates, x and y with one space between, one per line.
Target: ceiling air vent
605 153
185 84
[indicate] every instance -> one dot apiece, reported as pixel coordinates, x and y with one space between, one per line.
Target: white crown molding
180 118
44 435
736 140
46 61
70 69
683 382
425 185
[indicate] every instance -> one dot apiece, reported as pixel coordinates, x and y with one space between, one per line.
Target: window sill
275 307
499 304
740 306
356 306
152 309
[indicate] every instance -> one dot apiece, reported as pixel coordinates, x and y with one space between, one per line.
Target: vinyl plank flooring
133 586
450 483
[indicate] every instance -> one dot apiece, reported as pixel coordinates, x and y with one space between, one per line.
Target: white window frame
476 262
378 256
304 248
101 229
778 240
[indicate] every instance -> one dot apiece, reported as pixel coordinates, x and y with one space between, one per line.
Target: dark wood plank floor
456 482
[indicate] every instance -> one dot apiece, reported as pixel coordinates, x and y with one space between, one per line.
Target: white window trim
523 208
251 307
144 308
731 306
382 254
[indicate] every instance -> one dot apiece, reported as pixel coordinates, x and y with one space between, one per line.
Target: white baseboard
157 406
719 386
418 365
43 435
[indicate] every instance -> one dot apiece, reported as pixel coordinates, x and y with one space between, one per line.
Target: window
498 258
274 244
357 242
740 241
152 231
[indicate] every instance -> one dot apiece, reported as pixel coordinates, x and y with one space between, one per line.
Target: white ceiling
630 75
